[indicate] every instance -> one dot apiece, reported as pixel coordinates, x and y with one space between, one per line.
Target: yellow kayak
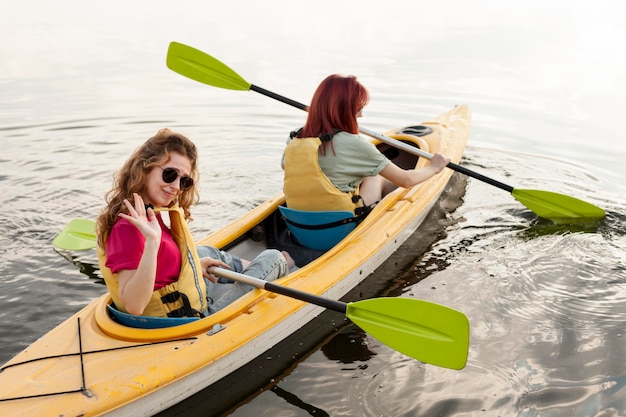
91 365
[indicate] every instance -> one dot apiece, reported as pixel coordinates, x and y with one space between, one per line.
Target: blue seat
147 322
319 230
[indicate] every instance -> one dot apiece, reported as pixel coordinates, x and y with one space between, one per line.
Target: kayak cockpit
146 322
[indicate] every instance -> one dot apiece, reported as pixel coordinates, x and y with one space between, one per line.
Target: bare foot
290 262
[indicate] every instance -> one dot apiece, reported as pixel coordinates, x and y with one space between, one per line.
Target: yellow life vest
183 298
305 185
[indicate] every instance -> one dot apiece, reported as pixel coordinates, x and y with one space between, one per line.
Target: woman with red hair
329 166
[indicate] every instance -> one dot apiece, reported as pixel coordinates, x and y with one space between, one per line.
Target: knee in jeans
270 264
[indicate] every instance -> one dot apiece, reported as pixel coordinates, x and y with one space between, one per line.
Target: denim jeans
268 265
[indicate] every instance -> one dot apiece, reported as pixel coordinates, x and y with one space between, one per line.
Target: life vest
183 298
305 185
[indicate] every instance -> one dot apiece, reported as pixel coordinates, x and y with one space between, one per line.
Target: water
82 84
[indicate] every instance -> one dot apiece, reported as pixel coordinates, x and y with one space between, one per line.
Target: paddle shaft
279 289
389 141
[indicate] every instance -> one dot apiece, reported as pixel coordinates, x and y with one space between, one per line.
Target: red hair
335 106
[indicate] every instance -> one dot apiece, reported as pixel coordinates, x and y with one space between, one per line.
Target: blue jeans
268 265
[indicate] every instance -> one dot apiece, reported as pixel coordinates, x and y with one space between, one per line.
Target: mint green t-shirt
353 159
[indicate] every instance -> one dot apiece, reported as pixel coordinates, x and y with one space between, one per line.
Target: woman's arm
136 285
409 177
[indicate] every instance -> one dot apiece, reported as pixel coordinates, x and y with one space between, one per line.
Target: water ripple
546 283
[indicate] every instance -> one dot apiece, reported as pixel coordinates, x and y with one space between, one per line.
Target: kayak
92 364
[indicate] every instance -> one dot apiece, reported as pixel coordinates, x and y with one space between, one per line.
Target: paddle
79 234
429 332
199 66
425 331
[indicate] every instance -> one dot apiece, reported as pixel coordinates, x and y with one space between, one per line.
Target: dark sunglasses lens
185 183
169 175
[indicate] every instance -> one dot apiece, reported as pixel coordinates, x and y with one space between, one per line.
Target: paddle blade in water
559 208
428 332
203 68
79 234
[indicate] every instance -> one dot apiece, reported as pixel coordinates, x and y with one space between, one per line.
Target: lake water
82 84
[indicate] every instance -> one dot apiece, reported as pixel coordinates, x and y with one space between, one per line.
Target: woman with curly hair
147 255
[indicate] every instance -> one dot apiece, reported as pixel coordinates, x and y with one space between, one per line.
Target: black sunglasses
170 175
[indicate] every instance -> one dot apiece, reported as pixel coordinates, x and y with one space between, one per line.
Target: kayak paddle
79 234
201 67
428 332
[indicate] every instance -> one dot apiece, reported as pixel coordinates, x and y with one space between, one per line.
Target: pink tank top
124 248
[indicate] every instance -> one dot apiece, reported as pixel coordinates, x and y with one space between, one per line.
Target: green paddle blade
79 234
203 68
559 208
426 331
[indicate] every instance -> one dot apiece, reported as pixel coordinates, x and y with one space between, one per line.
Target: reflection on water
294 401
349 346
85 266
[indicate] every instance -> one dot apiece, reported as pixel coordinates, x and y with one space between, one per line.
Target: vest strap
360 212
325 137
185 311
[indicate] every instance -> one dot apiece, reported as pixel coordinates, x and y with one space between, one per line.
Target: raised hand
142 219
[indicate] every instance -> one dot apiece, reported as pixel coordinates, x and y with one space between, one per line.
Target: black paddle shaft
278 97
309 298
470 173
279 289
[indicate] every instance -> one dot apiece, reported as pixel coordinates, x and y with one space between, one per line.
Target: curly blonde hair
132 178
